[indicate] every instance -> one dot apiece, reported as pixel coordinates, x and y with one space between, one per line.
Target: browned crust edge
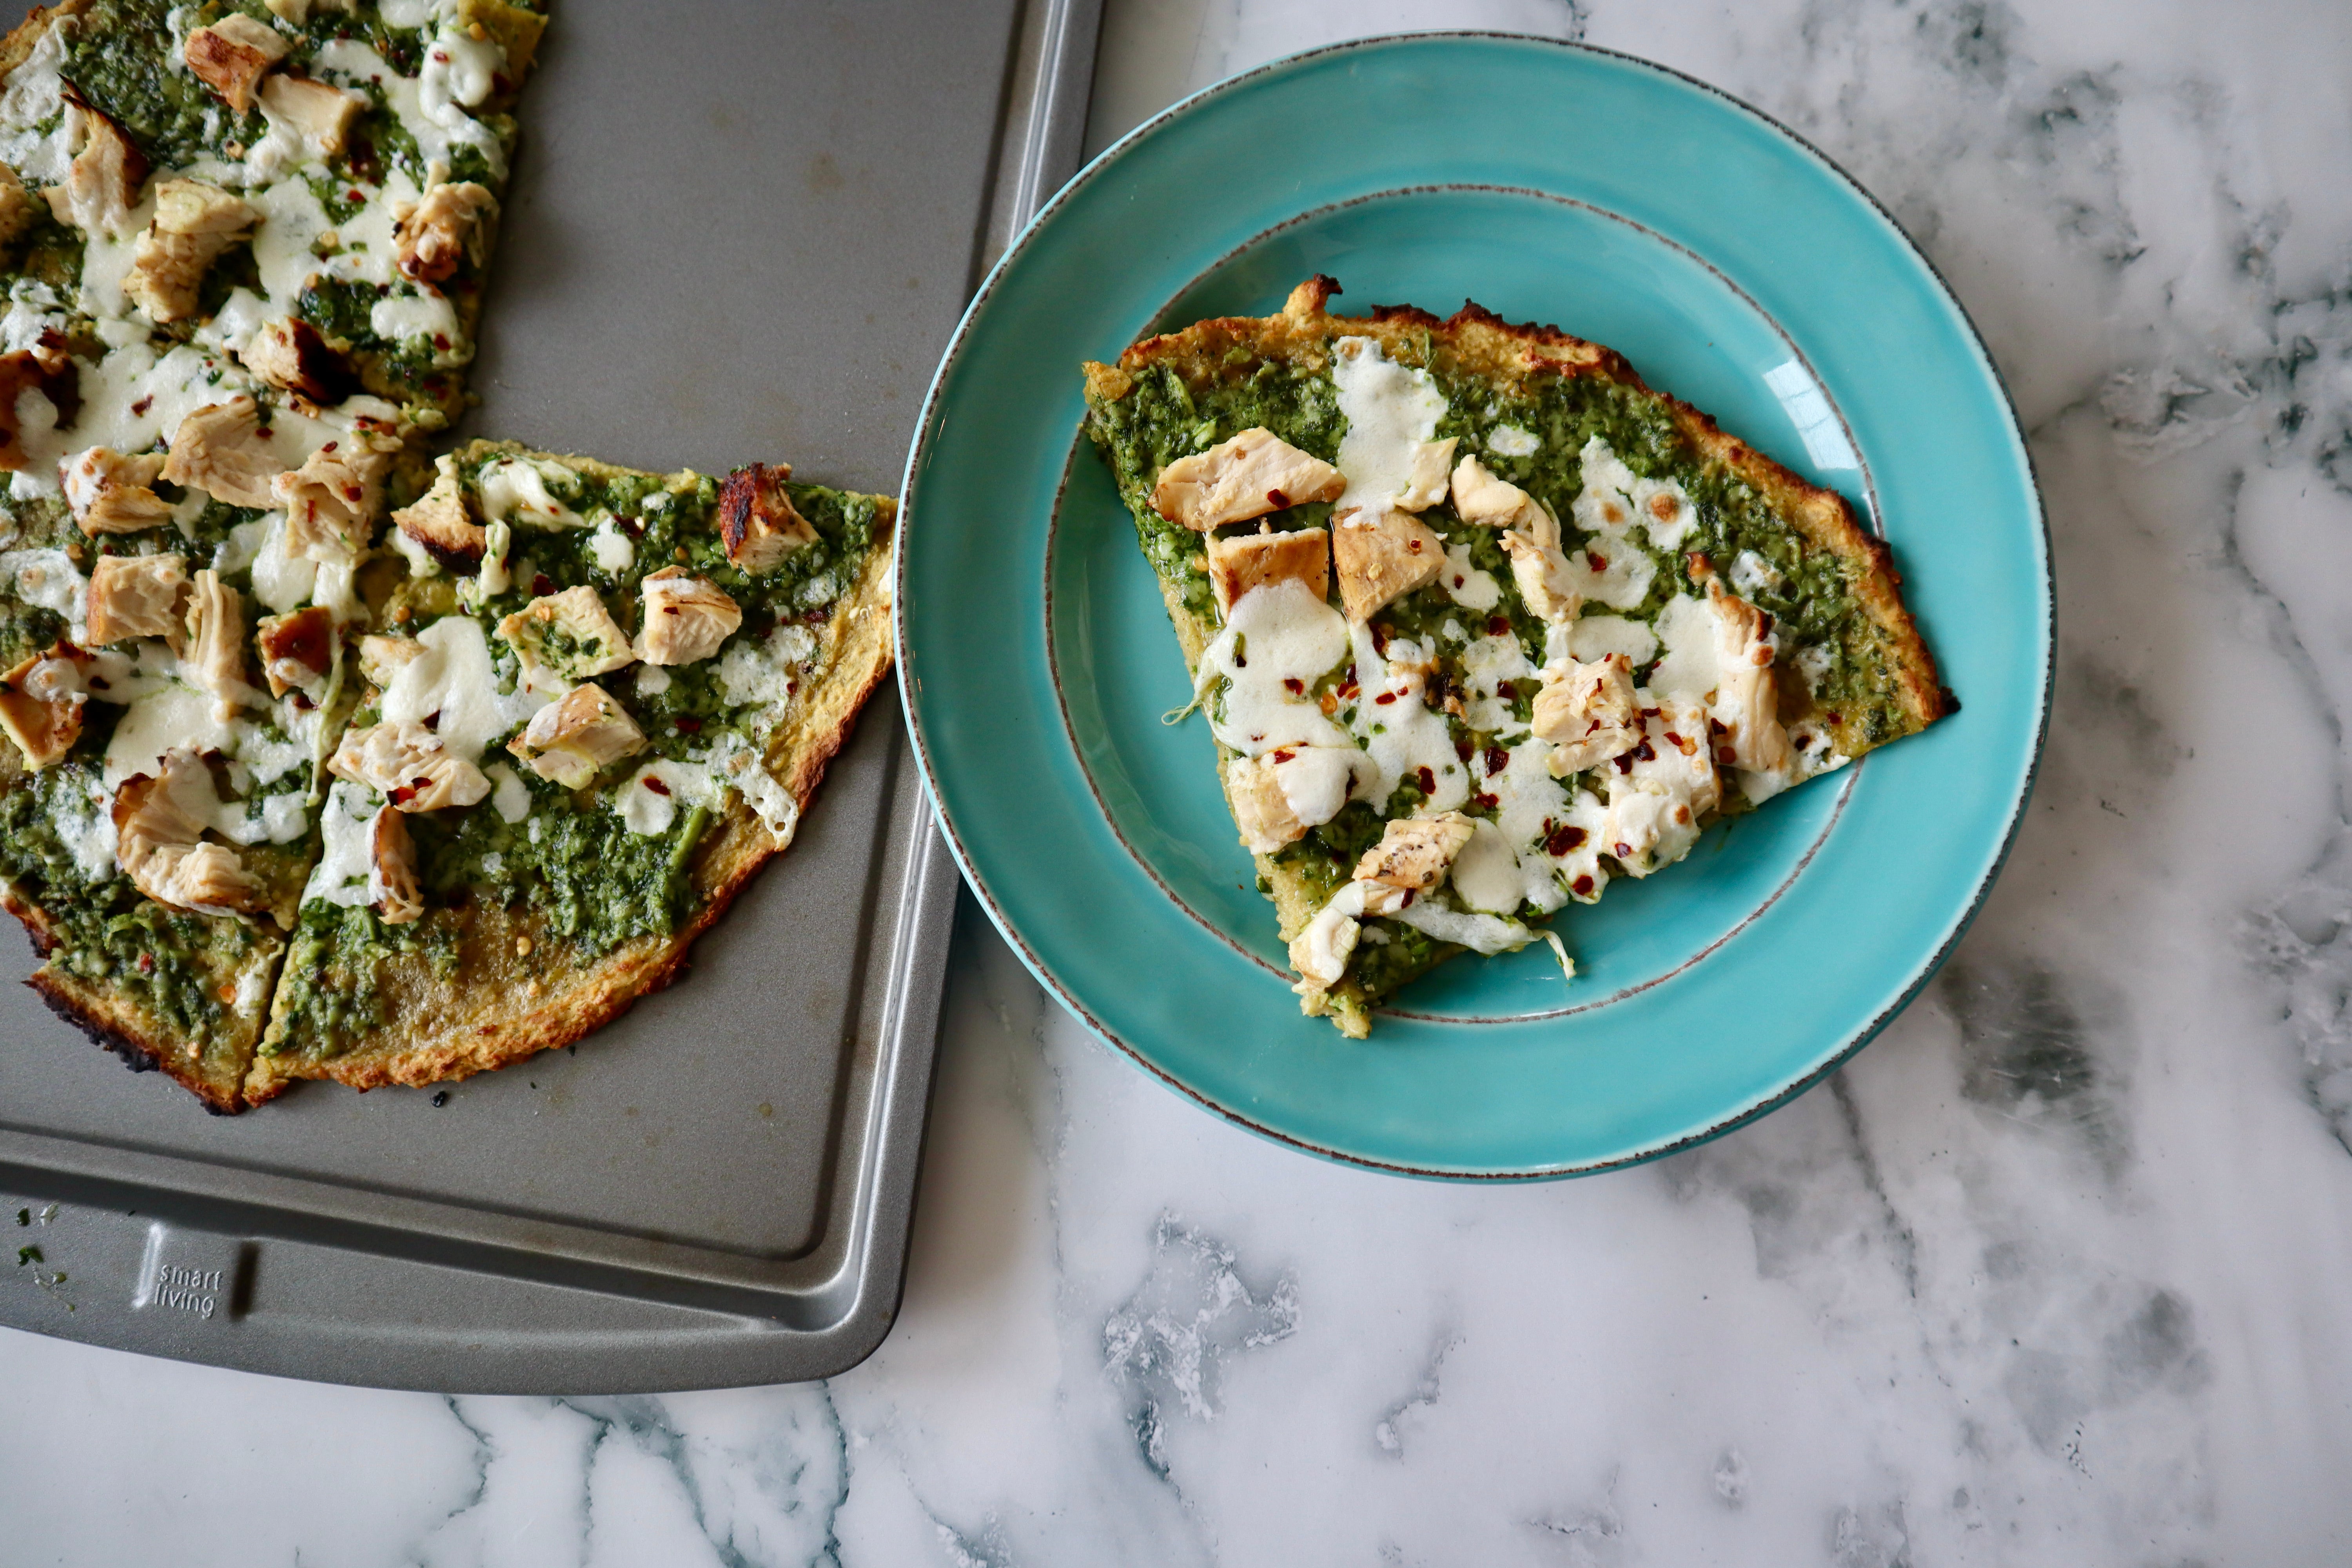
110 1022
605 990
118 1030
19 44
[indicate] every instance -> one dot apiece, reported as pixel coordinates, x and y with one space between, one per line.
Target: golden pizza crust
452 1027
18 46
213 1069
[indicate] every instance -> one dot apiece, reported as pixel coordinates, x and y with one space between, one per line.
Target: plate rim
910 684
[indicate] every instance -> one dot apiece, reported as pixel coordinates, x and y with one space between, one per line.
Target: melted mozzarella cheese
1611 571
1511 441
1487 872
49 579
86 829
281 582
1390 409
1597 636
292 221
1464 583
341 877
32 99
1317 781
1692 666
610 548
515 490
649 802
1486 663
1752 575
762 670
1394 723
509 795
1278 640
175 715
1665 510
454 684
421 316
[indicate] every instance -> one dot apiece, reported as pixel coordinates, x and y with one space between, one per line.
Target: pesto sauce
162 960
327 993
117 58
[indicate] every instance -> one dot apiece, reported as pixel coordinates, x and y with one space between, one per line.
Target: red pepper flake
1428 780
353 196
1463 747
1284 756
1834 717
1487 802
1582 887
141 407
1600 561
263 431
1561 841
692 726
1497 625
1624 852
401 795
542 586
1277 499
1385 698
1293 685
1725 755
1802 741
1646 753
1624 761
1676 741
440 339
1497 759
1457 579
656 785
330 446
146 963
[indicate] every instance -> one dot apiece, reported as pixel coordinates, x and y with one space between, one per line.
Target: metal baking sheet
733 233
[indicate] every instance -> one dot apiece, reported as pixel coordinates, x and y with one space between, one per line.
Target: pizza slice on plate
602 701
1479 621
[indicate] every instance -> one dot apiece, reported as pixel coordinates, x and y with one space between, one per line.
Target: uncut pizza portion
1479 621
241 249
300 193
602 701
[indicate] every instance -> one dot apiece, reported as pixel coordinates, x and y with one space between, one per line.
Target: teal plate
1738 269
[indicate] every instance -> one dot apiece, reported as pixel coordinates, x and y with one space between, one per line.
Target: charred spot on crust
135 1053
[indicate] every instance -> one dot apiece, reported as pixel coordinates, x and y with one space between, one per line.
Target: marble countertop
2054 1272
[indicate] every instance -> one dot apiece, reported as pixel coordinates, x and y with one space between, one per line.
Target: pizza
330 757
1480 622
601 701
